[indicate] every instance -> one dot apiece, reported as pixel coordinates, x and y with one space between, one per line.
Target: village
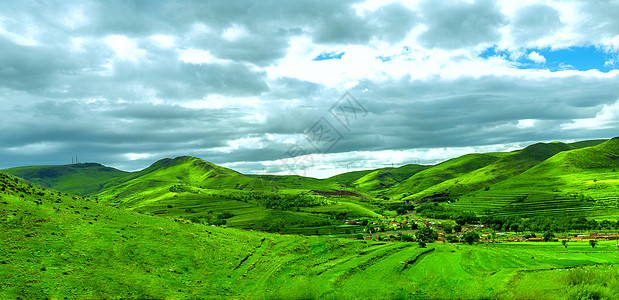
450 232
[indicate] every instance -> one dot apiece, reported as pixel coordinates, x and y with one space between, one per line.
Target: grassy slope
559 185
587 143
57 246
79 179
440 173
501 169
386 177
208 189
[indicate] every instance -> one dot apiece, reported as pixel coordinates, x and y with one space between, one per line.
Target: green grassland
55 246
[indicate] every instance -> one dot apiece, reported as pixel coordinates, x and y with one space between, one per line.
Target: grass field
56 245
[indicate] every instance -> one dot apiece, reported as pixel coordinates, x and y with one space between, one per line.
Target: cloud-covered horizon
246 84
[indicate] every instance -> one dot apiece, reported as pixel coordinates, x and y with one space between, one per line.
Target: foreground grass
56 246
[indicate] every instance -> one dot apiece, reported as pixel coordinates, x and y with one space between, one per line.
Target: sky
313 88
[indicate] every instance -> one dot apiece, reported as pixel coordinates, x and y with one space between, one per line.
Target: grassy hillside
439 173
577 182
56 246
506 167
79 179
379 179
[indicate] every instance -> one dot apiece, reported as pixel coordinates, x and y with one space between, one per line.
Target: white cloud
196 56
137 156
124 47
607 117
235 32
164 41
537 58
526 123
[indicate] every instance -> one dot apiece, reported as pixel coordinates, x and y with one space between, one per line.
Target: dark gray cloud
455 24
599 19
534 22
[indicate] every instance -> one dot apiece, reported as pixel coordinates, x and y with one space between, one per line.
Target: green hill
578 182
506 167
376 180
439 173
80 179
191 188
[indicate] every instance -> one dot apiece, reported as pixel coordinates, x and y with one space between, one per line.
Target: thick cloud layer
125 83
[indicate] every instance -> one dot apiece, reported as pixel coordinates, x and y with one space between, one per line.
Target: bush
588 292
471 237
548 236
406 238
426 234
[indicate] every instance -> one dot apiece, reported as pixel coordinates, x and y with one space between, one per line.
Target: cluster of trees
401 208
541 224
515 223
436 211
288 222
211 219
287 202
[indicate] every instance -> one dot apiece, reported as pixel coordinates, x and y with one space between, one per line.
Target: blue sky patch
573 58
329 55
406 51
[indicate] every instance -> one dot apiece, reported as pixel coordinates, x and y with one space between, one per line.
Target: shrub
471 237
426 234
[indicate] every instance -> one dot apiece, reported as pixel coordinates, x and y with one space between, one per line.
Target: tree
457 228
426 234
564 243
406 238
448 229
593 243
548 236
422 244
471 237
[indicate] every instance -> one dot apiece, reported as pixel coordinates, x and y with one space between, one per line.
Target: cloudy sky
306 87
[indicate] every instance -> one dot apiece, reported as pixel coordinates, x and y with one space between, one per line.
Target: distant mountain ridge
482 182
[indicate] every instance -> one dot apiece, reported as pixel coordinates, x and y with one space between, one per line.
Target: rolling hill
78 179
439 173
547 177
579 182
503 168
